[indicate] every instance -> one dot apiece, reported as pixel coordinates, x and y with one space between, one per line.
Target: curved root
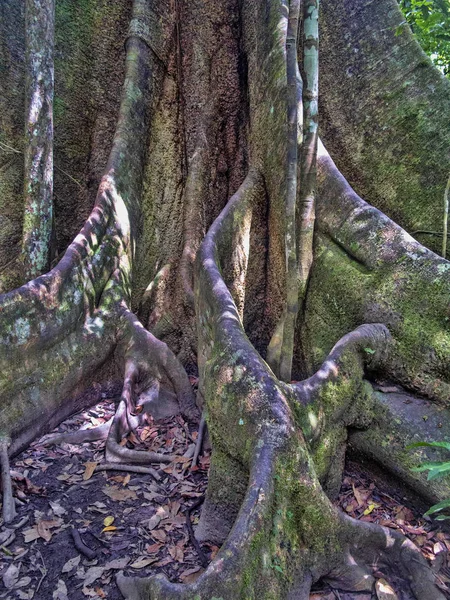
78 437
115 453
371 546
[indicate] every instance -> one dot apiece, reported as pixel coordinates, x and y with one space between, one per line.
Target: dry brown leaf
43 528
360 499
165 561
30 534
154 548
89 471
71 564
154 521
119 494
118 564
176 553
160 535
10 577
191 575
92 575
142 562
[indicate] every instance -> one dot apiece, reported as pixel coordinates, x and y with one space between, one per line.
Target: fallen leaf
71 564
370 508
10 577
119 494
142 562
93 574
23 582
176 553
30 534
107 521
384 590
191 575
359 497
57 509
28 595
154 521
109 528
159 535
89 471
119 563
153 549
61 591
44 531
43 528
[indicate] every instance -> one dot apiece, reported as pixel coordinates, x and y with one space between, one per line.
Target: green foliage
430 21
435 469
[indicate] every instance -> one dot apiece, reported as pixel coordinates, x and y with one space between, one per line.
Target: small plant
435 469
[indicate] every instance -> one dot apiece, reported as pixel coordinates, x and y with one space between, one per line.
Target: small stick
81 546
129 468
199 441
44 571
194 542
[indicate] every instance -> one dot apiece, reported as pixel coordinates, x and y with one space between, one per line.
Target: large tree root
62 329
372 547
264 499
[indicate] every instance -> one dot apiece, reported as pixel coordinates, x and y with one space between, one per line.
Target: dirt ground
133 523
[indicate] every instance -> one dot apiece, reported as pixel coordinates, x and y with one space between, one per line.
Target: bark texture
38 176
206 114
392 140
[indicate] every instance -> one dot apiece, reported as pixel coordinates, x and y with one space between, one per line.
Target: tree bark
38 181
186 140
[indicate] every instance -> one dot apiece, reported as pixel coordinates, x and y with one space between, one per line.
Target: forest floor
132 523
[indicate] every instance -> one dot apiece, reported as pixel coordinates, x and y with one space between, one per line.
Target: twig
194 542
199 441
81 546
129 468
44 573
424 232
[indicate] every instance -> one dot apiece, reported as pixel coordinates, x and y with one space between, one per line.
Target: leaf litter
137 525
132 523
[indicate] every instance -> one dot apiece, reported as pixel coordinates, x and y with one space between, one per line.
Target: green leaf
438 507
445 445
438 471
428 466
369 350
278 568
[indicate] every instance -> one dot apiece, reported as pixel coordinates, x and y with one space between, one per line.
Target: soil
137 525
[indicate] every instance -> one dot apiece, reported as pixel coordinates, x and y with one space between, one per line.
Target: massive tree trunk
203 117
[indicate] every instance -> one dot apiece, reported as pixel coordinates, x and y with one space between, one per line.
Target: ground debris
131 521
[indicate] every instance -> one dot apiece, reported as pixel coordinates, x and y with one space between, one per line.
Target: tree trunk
203 117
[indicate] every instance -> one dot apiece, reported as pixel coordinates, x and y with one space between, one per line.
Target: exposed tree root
79 437
128 469
9 507
372 547
273 514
